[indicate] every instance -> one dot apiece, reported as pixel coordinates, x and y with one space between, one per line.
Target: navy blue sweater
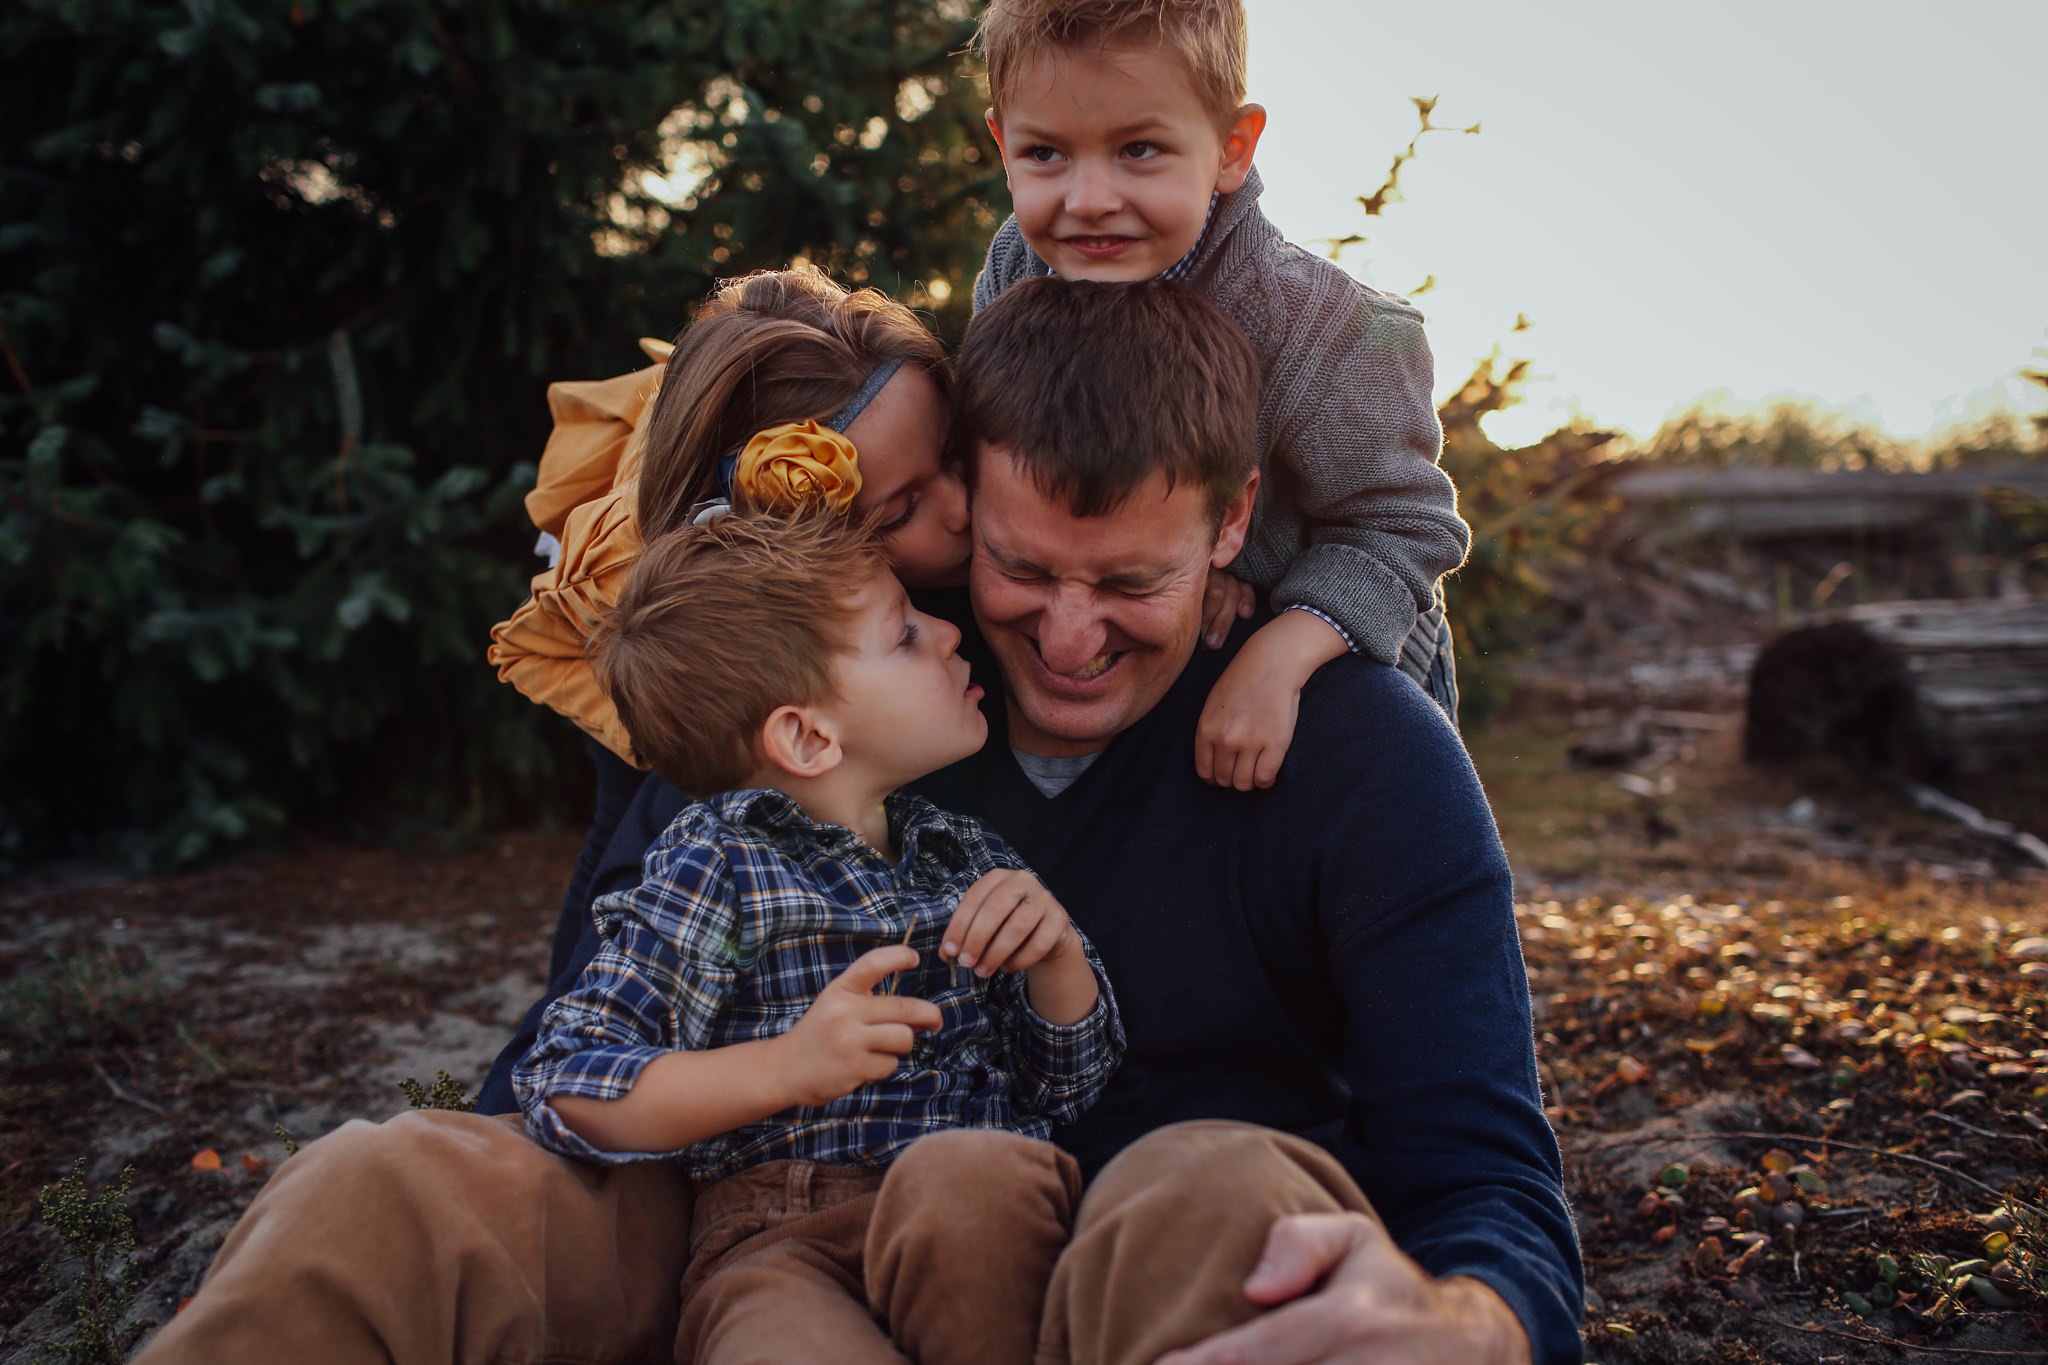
1335 957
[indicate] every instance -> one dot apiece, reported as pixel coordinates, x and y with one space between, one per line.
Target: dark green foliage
99 1237
849 132
280 288
80 1004
1527 521
445 1093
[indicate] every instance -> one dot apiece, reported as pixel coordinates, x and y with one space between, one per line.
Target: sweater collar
1229 213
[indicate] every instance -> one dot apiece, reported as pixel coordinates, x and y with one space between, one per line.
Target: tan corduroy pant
441 1237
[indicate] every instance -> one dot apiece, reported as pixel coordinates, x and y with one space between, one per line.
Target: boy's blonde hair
721 623
1207 35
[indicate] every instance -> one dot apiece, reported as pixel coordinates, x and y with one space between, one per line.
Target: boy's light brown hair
1094 387
720 624
1207 35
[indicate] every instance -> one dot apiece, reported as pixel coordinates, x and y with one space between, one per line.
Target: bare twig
908 930
122 1092
1966 1127
1914 1346
1375 204
1808 1140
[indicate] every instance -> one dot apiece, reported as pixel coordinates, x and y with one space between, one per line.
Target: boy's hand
1248 721
1228 598
1246 727
1008 921
851 1036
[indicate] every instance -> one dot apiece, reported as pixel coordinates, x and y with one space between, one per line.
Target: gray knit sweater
1355 519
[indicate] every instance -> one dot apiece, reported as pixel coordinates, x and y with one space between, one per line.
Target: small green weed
444 1093
92 999
99 1236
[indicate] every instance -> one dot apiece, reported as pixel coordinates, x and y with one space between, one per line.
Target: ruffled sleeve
540 649
584 499
599 435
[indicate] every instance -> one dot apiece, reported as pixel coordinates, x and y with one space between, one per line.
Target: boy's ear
800 741
1237 522
1238 145
995 130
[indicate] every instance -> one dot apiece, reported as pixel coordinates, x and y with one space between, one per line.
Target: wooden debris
1913 690
1666 506
1941 803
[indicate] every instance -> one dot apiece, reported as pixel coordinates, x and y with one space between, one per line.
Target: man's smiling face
1091 618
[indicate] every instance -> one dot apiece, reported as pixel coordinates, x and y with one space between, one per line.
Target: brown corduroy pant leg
1168 1232
442 1237
963 1243
943 1260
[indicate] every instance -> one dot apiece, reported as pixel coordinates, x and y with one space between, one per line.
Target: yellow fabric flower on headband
795 466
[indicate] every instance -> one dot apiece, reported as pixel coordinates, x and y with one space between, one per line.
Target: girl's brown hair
778 346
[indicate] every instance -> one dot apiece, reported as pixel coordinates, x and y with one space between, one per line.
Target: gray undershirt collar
1054 775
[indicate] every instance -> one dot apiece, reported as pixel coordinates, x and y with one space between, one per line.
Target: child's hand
1008 921
851 1036
1246 726
1227 598
1248 722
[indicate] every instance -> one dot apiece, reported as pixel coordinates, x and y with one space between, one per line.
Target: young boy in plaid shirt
852 1017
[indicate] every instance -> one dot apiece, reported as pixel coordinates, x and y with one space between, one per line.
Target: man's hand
1373 1305
851 1036
1009 922
1226 599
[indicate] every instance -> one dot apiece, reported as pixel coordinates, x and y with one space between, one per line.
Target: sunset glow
1840 203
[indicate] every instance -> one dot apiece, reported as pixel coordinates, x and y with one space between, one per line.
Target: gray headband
877 379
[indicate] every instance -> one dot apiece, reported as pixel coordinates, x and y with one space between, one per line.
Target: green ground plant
98 1239
83 1002
445 1093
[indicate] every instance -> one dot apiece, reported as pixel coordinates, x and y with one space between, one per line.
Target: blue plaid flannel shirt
746 910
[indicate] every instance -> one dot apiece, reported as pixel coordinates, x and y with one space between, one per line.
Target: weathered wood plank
1783 504
1920 690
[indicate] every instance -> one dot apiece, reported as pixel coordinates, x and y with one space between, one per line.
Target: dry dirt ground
1792 1031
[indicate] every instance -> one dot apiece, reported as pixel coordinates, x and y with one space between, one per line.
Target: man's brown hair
1092 387
1207 35
773 347
720 624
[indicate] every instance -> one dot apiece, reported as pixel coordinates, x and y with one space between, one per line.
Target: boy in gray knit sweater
1128 147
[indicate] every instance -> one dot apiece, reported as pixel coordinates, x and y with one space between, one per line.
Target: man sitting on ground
1326 1141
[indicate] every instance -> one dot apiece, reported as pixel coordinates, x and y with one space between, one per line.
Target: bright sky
1841 201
